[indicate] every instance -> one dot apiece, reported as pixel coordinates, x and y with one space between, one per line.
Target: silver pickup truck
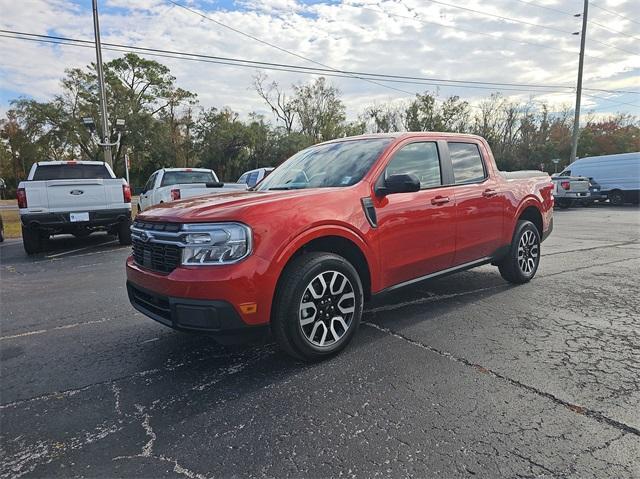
569 190
76 197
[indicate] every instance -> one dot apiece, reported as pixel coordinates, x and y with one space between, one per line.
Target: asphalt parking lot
460 377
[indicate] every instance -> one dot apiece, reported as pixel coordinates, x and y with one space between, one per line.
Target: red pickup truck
332 226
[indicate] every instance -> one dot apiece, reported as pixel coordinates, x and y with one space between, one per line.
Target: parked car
253 177
302 252
568 190
77 197
618 176
170 184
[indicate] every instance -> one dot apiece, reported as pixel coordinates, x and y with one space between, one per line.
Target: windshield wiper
283 188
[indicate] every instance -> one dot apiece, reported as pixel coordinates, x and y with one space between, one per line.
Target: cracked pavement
458 377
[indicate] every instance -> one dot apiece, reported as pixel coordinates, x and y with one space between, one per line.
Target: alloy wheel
327 308
528 252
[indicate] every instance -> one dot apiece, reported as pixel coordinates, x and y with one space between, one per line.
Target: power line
284 50
515 20
303 69
614 13
264 65
508 19
495 36
563 12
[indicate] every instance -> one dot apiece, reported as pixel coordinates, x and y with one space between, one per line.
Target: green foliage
166 127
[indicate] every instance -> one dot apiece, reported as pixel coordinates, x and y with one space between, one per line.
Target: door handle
489 192
439 200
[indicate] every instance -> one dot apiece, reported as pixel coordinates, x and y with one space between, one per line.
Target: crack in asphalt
591 413
578 250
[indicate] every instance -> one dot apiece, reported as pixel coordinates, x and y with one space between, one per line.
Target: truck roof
406 134
186 169
80 162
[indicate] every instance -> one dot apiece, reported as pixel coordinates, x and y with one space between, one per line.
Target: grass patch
11 222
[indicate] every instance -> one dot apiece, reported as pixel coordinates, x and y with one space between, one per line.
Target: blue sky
407 37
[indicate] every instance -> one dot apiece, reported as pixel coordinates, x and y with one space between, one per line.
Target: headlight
215 243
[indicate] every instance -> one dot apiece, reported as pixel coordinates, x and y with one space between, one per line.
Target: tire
32 242
1 234
616 197
521 262
295 327
124 233
563 203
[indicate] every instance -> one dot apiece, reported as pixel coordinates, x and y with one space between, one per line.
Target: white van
618 176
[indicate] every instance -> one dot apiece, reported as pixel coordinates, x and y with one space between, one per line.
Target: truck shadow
196 374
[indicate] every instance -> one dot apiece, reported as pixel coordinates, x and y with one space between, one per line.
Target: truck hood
226 205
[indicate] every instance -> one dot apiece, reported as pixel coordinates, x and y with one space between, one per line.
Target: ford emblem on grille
76 192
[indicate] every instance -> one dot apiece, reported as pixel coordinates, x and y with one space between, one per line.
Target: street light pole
101 89
576 120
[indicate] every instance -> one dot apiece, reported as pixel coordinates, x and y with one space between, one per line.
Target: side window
467 163
420 159
150 182
252 179
243 178
566 173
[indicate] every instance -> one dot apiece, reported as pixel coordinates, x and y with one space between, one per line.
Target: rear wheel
563 203
124 233
616 198
318 306
521 262
32 241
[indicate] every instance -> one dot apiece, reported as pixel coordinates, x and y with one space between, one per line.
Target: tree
320 110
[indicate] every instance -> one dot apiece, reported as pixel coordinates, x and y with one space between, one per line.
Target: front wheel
318 306
521 262
616 198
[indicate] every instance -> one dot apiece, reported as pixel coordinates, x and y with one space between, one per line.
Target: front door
416 230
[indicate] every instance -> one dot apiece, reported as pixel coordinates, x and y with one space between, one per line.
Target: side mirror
400 183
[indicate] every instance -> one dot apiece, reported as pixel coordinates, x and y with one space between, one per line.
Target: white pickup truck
76 197
170 184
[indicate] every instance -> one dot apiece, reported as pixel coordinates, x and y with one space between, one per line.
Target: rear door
416 230
480 203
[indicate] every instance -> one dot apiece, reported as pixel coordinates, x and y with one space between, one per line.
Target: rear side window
252 179
243 178
467 163
187 177
70 171
420 159
150 182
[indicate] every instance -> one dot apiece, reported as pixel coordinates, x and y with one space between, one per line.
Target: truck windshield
71 171
187 177
342 163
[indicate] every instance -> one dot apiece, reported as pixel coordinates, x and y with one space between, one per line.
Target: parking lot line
79 249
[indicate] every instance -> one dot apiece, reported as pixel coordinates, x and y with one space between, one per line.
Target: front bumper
61 221
219 298
186 314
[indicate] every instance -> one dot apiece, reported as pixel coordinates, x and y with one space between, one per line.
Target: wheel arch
532 213
337 240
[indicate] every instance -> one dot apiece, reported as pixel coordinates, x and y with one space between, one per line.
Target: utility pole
101 89
576 120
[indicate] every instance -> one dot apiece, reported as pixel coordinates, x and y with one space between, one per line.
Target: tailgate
76 195
579 186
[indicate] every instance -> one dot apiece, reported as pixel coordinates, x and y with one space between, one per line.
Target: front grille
156 256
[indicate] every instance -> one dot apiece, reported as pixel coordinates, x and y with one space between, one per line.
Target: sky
419 38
